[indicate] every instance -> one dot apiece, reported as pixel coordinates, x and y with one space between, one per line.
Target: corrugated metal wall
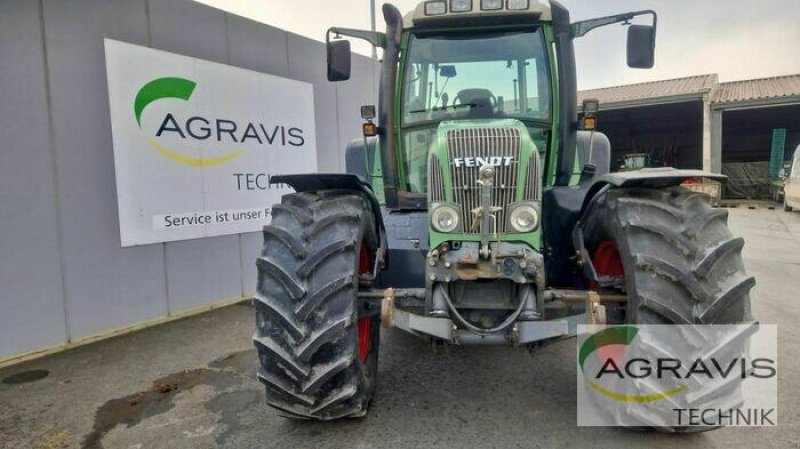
63 274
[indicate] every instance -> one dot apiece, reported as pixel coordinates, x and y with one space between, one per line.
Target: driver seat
482 99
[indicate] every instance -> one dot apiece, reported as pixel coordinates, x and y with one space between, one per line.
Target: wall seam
238 235
227 39
56 179
288 58
147 20
166 277
241 265
167 302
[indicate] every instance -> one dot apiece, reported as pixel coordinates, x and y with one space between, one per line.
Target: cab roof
537 10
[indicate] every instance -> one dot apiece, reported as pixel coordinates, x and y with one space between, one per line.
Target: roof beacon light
460 5
491 5
435 8
517 5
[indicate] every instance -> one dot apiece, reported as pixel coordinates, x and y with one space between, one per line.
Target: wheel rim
607 261
364 335
364 324
608 264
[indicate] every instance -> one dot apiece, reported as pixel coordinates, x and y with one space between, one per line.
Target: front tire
680 263
318 350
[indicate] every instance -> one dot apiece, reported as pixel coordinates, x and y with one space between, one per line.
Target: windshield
469 76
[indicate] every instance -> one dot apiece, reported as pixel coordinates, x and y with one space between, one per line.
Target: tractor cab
477 129
468 63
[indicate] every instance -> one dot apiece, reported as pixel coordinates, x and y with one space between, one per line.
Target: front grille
483 143
533 188
435 181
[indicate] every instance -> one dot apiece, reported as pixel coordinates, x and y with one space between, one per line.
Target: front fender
341 181
655 178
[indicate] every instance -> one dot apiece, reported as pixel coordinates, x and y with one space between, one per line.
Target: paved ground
205 393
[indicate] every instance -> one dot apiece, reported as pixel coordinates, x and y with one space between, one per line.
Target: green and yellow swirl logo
181 89
605 340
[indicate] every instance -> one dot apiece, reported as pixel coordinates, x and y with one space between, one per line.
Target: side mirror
338 60
641 46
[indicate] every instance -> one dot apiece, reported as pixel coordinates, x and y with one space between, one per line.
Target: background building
698 122
64 278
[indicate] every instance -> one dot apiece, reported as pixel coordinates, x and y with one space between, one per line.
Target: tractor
478 210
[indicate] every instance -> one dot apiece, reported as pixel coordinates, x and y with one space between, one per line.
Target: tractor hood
460 149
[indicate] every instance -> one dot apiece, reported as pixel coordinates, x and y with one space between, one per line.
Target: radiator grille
435 181
483 143
533 188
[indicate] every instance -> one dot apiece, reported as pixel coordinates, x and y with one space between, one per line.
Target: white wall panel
107 287
31 300
58 202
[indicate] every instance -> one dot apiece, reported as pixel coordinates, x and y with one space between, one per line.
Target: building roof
646 93
760 89
758 92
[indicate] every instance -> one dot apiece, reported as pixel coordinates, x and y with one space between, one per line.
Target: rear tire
318 350
681 264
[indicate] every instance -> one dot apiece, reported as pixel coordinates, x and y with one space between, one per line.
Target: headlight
518 4
460 5
445 218
435 8
488 5
524 218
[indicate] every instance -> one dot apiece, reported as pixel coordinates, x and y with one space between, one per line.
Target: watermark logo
677 376
608 338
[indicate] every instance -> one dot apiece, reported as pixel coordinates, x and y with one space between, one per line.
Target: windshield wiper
452 106
540 123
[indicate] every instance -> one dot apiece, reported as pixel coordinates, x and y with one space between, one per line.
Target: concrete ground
191 384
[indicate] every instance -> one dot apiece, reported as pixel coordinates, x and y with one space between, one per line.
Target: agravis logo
182 89
196 143
677 375
606 339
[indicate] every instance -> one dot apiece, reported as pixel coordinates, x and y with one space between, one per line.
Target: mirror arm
377 39
579 29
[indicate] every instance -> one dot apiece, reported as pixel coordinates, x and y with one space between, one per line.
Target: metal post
373 28
716 141
707 135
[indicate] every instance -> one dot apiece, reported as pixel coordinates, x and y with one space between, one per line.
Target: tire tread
305 305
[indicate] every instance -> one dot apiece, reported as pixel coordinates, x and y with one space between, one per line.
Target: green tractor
478 210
